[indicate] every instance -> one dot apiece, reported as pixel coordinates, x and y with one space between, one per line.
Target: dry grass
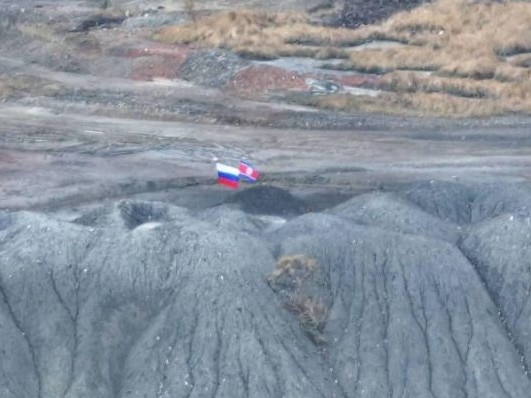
477 52
408 57
412 82
293 275
39 32
311 312
297 268
18 86
411 104
458 37
262 34
11 86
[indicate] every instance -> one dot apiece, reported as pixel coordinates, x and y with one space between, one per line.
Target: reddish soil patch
169 52
258 80
153 62
153 67
365 81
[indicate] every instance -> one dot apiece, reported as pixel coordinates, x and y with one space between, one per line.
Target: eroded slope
148 299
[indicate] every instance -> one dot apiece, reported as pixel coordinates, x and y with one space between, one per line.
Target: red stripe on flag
228 182
248 171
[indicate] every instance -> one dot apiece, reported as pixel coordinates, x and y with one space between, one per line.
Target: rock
324 87
211 68
358 12
98 22
268 200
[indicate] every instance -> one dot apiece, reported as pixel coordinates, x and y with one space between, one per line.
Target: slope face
500 250
409 316
139 299
177 308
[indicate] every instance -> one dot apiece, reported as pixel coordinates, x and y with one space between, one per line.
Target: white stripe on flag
227 169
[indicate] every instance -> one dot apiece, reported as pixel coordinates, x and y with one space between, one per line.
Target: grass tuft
479 53
263 34
293 275
23 85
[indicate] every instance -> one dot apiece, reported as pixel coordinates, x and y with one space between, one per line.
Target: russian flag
248 172
228 176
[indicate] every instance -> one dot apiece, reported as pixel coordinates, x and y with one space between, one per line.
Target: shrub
312 313
295 268
292 277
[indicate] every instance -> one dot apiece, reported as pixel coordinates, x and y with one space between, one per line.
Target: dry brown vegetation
412 104
39 32
262 34
17 86
297 267
476 51
293 274
466 38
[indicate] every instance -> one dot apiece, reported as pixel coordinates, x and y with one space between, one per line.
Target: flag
247 171
227 175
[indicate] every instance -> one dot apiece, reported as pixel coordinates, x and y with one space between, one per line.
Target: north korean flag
248 172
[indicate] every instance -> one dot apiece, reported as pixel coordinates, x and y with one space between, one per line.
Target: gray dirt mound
211 68
461 205
373 298
500 249
130 214
308 224
391 212
232 219
268 200
495 199
446 200
176 309
407 316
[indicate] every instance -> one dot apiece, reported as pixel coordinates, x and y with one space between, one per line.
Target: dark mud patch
98 22
269 200
359 12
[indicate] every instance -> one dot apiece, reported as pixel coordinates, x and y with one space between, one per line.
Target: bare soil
134 274
116 118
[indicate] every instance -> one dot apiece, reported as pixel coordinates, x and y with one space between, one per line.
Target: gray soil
126 271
